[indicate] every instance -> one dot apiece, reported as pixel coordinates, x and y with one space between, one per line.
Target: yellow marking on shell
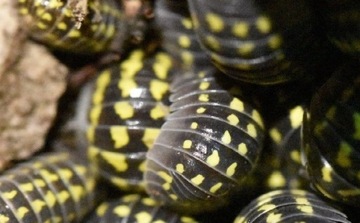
233 119
257 117
101 209
130 67
142 166
187 58
10 194
246 48
214 22
215 187
23 11
263 24
120 136
226 138
50 199
200 110
326 174
46 16
39 183
158 89
166 186
273 217
242 149
240 29
162 65
77 192
4 219
230 171
184 41
143 217
237 105
204 97
159 111
61 26
51 177
116 160
186 219
275 42
275 135
120 183
150 134
296 116
149 202
204 85
305 209
127 85
101 83
251 130
213 43
187 23
343 155
276 180
38 205
180 168
22 211
27 187
266 207
213 159
198 179
92 153
41 25
63 196
165 176
122 211
173 197
295 156
349 192
356 121
111 30
187 144
240 219
194 125
124 109
74 33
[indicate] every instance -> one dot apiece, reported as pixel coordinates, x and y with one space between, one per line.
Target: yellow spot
129 68
240 29
166 186
343 158
275 42
173 197
246 48
263 24
116 160
41 25
162 65
296 116
273 217
187 144
200 110
240 219
237 105
230 171
110 32
213 159
226 138
233 119
186 22
4 219
296 156
187 58
305 208
242 148
50 199
165 176
213 43
74 33
22 11
180 168
122 211
158 89
119 135
149 137
148 201
127 85
184 41
214 22
349 192
142 166
39 183
275 135
9 195
204 97
276 180
356 118
159 111
266 207
27 187
198 179
257 117
101 209
252 130
21 212
194 125
204 85
124 109
37 205
326 174
101 84
215 188
120 183
49 176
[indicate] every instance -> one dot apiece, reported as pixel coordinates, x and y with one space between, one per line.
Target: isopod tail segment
256 42
207 147
129 105
331 137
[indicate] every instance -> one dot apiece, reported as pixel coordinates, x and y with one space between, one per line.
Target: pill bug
255 41
289 206
206 148
130 102
49 188
331 136
341 21
178 37
52 22
135 208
